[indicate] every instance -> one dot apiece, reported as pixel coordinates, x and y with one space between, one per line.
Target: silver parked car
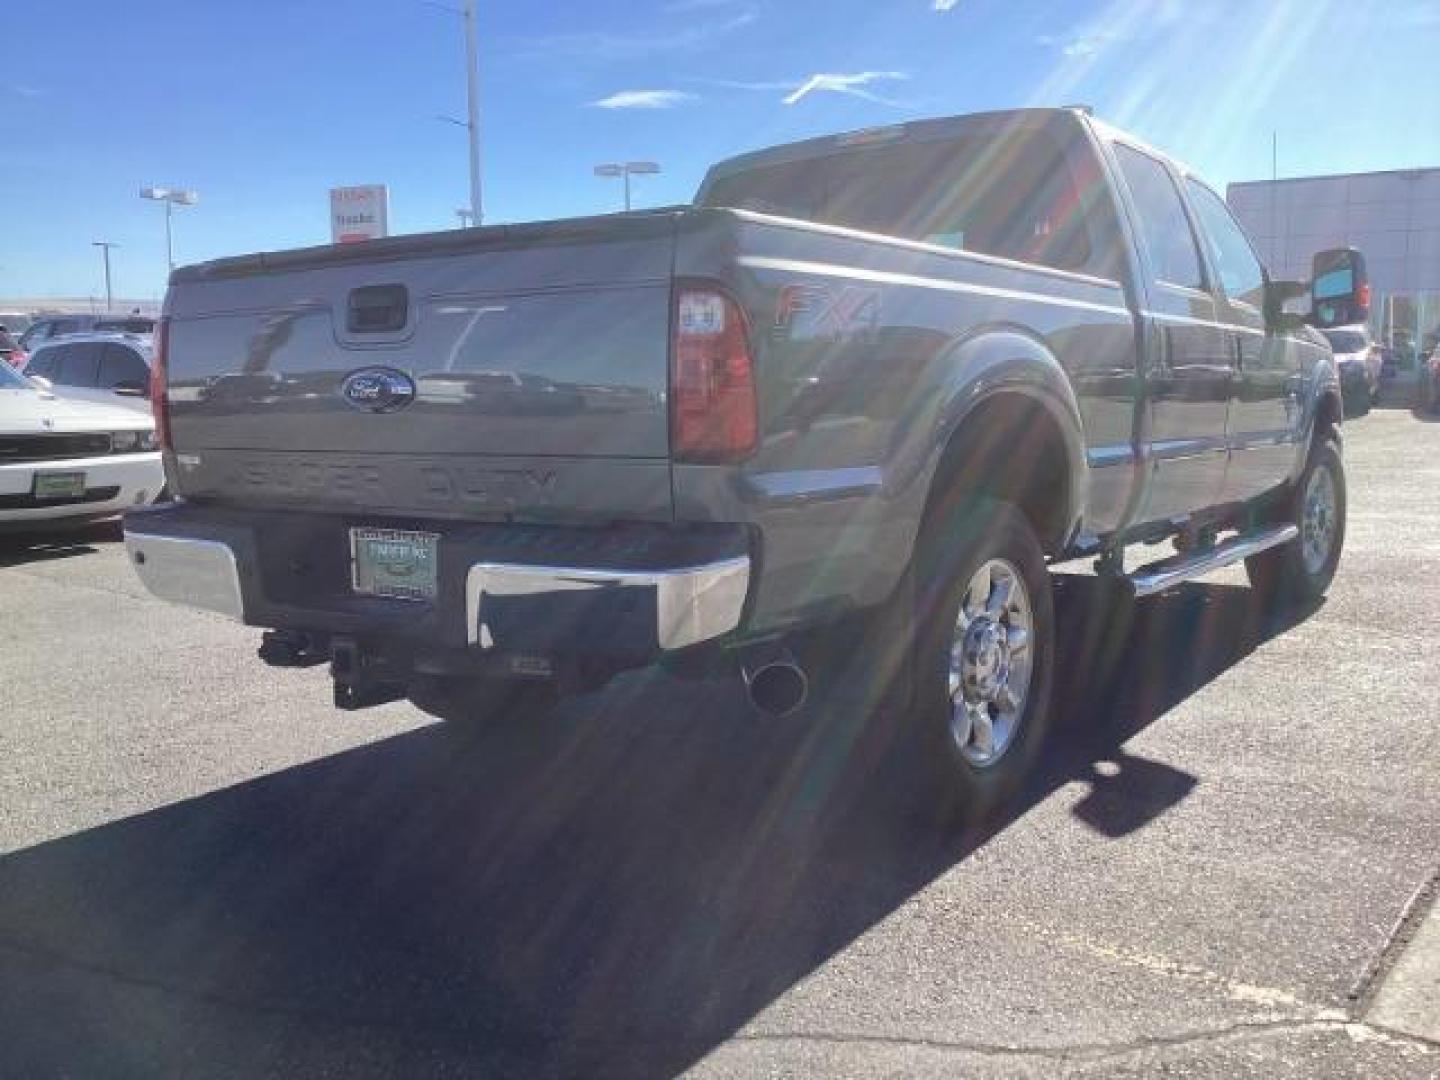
48 327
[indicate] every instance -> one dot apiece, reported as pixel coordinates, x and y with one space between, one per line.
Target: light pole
472 102
105 246
170 197
610 170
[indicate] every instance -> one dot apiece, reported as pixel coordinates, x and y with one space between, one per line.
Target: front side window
1241 275
1164 228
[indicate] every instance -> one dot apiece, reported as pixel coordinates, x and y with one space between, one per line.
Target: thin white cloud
1076 45
796 89
944 5
644 99
27 91
851 84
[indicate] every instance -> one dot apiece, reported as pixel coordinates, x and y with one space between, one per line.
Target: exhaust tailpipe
777 685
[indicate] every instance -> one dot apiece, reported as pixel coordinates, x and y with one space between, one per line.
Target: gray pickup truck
898 372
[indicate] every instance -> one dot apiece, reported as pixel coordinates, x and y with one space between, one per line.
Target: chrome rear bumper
197 573
692 604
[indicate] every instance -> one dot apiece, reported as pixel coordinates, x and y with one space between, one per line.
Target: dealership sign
359 213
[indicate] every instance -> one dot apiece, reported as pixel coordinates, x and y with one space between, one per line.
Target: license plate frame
408 570
68 484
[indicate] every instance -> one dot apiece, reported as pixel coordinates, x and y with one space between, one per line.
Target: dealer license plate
394 563
59 485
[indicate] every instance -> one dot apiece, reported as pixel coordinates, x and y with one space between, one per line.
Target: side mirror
42 382
1277 295
1339 287
129 389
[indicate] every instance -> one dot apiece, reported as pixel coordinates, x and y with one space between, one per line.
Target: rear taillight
159 390
712 379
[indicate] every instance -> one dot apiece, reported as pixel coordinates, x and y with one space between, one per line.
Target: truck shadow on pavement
613 890
18 549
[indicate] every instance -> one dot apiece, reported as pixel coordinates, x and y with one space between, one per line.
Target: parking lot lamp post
627 169
170 197
105 246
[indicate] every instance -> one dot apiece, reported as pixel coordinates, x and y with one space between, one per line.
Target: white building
1393 218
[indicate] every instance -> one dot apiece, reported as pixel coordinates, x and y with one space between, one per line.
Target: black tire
1282 575
959 537
475 702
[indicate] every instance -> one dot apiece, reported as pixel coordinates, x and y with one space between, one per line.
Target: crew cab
899 372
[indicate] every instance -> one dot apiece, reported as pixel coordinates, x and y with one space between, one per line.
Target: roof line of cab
909 131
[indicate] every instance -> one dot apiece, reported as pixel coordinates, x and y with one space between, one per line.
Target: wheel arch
1013 431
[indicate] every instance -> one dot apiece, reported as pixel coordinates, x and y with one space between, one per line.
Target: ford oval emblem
378 389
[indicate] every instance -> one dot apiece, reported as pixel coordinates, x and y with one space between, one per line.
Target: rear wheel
984 659
1299 572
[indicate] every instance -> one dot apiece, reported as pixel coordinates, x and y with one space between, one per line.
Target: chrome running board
1157 577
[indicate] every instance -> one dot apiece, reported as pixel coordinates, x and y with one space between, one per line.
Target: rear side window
1240 273
1015 194
122 366
1164 228
64 326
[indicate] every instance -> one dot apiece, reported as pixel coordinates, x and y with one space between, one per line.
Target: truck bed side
869 351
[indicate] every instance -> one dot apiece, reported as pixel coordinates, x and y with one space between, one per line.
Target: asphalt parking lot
204 870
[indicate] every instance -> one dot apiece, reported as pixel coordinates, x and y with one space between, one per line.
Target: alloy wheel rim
991 663
1317 523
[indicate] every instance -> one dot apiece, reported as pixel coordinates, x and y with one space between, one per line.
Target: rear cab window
1018 193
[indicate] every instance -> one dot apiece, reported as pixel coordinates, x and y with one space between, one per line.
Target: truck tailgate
522 371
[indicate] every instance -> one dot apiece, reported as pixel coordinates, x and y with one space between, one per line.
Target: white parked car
63 460
1353 348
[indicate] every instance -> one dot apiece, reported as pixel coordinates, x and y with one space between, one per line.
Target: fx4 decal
809 312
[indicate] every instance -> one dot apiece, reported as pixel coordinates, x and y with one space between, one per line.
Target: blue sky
262 106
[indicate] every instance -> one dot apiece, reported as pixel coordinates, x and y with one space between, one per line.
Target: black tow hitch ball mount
361 679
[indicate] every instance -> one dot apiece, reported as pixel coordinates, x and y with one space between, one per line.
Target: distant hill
29 305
